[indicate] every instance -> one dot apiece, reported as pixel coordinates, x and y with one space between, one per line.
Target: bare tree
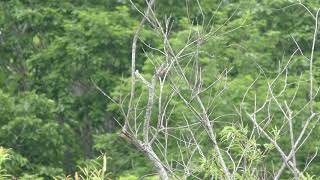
178 79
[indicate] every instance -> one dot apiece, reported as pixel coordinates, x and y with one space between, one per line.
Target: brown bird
162 70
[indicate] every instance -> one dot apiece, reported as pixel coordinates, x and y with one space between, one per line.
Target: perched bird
162 70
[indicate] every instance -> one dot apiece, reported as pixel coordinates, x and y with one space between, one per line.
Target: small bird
162 70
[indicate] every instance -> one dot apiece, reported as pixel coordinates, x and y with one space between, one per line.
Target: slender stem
311 61
133 61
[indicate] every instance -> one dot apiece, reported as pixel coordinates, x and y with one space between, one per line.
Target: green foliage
52 52
115 146
3 158
91 170
32 124
52 118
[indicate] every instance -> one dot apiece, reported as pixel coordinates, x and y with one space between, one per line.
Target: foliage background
52 119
